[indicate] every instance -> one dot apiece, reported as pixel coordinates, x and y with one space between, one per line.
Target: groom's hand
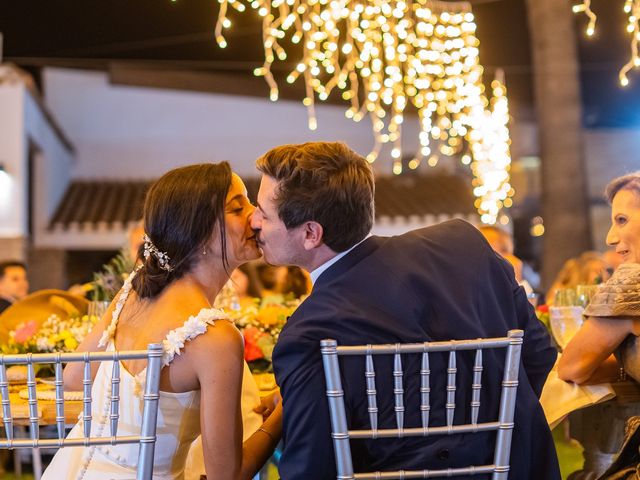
268 404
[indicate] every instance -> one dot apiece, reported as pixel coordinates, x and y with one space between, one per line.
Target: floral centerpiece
261 321
55 335
542 312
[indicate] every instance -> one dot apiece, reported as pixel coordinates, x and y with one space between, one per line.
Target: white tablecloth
559 398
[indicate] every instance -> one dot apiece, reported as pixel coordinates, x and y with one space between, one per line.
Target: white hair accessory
162 257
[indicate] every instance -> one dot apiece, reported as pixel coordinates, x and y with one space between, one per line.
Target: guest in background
283 280
502 243
592 268
135 240
14 284
499 240
613 315
108 281
270 277
589 268
296 282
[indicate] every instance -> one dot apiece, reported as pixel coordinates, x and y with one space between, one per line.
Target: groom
315 210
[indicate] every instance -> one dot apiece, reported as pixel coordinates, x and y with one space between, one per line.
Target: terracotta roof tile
116 203
91 202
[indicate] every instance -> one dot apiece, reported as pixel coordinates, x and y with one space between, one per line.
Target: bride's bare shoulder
222 340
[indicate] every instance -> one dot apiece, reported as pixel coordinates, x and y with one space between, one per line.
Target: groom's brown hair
325 182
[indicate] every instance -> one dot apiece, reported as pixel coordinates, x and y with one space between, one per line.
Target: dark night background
179 34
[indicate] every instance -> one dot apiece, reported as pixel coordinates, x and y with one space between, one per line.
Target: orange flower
271 315
251 349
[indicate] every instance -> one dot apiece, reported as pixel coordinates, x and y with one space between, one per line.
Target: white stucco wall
13 183
133 132
23 122
53 163
123 132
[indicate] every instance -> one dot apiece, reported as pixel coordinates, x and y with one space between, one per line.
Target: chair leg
17 463
37 463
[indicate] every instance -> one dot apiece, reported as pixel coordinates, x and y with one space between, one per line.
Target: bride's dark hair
181 210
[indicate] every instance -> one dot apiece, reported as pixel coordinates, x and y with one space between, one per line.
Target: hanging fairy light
585 7
383 55
490 145
632 9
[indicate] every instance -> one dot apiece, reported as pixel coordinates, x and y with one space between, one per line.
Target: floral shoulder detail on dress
194 326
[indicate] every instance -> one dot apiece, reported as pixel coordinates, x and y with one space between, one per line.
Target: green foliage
108 282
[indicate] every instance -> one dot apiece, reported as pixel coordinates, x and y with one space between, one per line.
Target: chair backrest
503 424
147 436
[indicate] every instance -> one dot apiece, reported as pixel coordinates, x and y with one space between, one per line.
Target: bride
196 220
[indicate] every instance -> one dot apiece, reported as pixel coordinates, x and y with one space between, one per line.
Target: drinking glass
97 308
565 297
585 293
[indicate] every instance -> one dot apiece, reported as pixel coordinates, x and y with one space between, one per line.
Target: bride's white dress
178 414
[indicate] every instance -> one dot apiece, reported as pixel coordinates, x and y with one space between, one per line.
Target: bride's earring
204 251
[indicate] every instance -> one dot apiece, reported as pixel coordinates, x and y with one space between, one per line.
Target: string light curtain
383 55
489 139
632 9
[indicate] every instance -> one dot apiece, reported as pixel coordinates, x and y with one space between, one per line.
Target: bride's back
145 321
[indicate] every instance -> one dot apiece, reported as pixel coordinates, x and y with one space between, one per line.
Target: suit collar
359 252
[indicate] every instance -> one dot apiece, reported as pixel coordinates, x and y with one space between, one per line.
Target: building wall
27 135
133 132
13 182
609 153
53 162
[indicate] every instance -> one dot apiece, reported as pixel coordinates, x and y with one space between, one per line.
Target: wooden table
46 417
46 411
72 409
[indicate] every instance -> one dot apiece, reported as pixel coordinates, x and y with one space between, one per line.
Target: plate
49 394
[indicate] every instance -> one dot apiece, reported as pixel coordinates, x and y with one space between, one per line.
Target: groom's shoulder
450 230
313 318
451 235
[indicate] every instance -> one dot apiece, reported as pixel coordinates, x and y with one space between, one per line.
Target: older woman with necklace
613 317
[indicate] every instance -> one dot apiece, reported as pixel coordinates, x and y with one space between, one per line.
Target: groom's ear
312 232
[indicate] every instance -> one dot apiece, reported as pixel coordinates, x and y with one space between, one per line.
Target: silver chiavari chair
504 424
147 436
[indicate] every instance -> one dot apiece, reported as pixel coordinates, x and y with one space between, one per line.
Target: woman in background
613 315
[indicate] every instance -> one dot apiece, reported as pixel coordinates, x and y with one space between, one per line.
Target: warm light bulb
386 57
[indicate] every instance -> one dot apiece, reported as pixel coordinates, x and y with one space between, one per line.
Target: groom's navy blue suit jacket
437 283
